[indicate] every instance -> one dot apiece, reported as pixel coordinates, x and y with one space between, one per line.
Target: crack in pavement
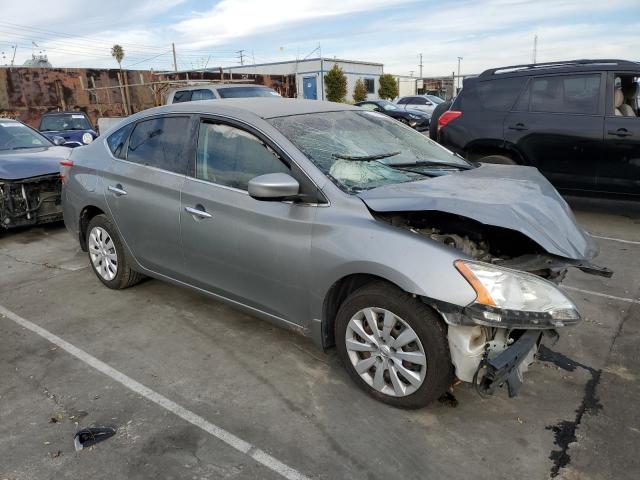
39 264
565 431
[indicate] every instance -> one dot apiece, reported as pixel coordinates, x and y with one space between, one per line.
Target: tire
497 159
107 257
390 305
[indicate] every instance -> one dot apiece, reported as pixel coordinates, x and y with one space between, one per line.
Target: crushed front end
30 201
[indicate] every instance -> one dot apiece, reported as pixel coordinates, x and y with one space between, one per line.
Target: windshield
243 92
434 99
357 150
14 135
387 105
71 121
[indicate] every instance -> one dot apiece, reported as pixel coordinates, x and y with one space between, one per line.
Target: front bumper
507 367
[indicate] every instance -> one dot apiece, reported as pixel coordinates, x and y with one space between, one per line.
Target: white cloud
234 19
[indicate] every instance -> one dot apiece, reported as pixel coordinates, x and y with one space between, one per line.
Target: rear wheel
106 255
393 346
497 159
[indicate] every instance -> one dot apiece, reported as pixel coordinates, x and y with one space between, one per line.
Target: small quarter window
230 156
117 140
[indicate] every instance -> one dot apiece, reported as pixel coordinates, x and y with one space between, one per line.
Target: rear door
142 190
250 251
620 170
557 127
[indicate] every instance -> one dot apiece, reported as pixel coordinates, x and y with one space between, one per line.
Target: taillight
447 116
65 167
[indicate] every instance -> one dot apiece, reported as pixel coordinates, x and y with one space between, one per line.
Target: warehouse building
309 74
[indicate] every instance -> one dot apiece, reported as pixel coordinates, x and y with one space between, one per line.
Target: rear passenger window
230 156
182 96
203 94
418 101
564 94
117 140
160 142
402 101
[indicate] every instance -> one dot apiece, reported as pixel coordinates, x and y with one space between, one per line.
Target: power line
241 55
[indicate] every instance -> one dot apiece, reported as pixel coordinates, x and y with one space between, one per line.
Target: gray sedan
340 224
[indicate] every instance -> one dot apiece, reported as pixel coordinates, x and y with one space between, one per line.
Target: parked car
576 121
340 224
218 90
29 175
425 103
414 118
74 127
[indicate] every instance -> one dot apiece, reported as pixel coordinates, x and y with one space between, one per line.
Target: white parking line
598 294
611 239
230 439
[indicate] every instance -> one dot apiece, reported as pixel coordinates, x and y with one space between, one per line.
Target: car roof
567 66
263 107
217 86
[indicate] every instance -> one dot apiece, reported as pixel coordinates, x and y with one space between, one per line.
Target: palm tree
117 52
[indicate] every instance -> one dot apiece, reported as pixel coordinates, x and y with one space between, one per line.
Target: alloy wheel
386 352
102 252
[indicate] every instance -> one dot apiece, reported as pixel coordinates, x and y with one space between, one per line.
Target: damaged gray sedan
342 225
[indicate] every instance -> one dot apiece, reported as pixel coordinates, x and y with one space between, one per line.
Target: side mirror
273 186
377 109
59 141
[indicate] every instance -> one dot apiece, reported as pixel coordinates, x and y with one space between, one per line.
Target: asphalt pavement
199 390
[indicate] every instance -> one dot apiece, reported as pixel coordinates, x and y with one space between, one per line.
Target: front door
250 251
557 126
142 191
309 88
620 171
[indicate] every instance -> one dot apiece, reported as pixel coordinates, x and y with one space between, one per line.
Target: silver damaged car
340 224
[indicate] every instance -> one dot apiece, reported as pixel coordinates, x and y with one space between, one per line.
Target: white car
426 103
218 90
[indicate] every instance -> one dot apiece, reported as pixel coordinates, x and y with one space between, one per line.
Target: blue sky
485 33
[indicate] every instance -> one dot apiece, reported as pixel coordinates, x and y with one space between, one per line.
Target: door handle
621 132
117 190
518 126
198 212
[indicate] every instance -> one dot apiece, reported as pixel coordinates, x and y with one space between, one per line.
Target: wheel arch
87 213
483 148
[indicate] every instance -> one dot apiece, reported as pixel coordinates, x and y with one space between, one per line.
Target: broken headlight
509 298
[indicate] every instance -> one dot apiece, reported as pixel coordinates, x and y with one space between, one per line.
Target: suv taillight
65 167
447 116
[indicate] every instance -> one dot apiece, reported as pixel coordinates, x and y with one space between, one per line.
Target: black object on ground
90 436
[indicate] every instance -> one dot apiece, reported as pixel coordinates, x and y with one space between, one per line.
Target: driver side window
230 156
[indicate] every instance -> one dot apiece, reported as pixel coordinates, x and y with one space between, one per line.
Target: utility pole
175 63
458 83
420 65
15 47
241 55
534 57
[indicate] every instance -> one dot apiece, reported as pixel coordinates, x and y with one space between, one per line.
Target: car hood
420 113
74 135
32 162
513 197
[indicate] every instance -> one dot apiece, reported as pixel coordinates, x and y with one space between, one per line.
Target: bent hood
32 162
513 197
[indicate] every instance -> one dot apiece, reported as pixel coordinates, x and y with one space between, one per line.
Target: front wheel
393 346
497 159
107 257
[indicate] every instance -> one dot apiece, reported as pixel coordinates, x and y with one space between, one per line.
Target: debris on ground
87 437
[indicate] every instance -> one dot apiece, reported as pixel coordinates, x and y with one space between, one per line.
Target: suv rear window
182 96
496 95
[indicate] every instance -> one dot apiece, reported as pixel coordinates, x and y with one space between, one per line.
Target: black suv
577 121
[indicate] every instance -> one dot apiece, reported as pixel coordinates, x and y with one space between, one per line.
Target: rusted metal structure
26 93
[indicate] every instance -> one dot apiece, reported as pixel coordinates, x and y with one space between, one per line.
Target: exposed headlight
510 298
87 138
415 117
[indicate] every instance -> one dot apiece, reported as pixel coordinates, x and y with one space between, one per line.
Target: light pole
458 82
